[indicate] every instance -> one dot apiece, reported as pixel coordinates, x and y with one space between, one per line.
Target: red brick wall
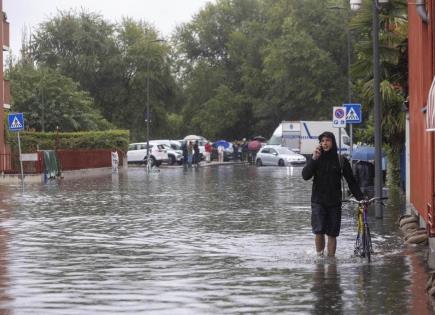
421 73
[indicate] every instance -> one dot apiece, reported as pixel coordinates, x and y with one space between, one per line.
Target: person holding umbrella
196 156
364 168
189 153
365 176
220 150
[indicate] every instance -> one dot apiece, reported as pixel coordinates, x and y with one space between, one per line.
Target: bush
33 141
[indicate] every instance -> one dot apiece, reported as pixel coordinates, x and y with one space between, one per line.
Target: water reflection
327 289
214 240
4 257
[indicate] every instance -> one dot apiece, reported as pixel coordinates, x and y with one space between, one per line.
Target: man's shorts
325 220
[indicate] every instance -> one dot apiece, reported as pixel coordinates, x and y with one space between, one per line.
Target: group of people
326 168
191 153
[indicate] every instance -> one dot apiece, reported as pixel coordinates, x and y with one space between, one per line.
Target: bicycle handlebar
365 201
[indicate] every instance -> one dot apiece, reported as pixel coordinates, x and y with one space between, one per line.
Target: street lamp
349 80
148 118
355 5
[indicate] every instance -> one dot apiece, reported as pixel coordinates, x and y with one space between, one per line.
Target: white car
173 148
278 155
137 153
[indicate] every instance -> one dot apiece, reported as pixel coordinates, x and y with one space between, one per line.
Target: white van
303 136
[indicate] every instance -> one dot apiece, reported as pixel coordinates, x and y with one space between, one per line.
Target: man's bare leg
320 244
332 245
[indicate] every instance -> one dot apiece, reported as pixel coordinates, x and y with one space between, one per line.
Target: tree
111 62
267 57
393 64
49 100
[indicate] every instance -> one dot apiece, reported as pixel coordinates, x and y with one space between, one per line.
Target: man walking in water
326 169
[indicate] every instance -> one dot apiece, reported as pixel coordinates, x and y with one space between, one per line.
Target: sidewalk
208 164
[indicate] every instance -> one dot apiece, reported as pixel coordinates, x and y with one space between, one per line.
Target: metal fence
68 160
5 162
29 167
81 159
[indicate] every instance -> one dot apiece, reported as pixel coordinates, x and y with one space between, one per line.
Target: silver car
278 155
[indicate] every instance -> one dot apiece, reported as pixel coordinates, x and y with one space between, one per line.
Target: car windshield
282 150
175 146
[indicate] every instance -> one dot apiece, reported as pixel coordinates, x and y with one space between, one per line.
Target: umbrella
223 143
193 138
254 145
364 153
259 138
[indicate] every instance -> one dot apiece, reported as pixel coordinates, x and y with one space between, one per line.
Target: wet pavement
232 239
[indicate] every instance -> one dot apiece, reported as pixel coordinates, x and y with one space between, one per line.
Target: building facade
421 146
5 157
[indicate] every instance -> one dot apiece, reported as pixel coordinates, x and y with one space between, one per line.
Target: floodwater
213 240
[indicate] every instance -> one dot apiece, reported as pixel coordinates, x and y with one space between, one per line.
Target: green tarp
51 165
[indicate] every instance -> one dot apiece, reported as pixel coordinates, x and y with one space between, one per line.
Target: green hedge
32 141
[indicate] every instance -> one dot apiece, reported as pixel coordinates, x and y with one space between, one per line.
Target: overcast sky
163 14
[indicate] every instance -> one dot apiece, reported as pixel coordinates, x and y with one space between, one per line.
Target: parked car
173 149
278 155
137 153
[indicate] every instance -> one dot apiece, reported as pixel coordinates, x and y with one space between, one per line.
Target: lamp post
355 5
349 80
147 119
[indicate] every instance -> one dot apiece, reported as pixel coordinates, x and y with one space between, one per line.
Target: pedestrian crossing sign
16 121
353 113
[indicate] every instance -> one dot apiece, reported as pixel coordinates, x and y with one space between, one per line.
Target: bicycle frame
363 242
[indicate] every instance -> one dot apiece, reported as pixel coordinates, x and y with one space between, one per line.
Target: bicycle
363 242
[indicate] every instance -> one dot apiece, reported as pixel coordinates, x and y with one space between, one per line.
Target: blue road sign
16 122
353 113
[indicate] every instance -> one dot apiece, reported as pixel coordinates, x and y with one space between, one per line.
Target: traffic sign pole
351 139
353 116
16 123
339 116
21 160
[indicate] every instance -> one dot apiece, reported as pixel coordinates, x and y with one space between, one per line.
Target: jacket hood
331 136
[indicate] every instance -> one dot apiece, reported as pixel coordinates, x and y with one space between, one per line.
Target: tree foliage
236 70
114 63
49 100
260 62
393 47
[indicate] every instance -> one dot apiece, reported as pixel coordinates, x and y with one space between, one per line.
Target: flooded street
213 240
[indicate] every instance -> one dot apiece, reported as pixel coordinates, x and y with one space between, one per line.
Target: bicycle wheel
369 236
367 244
357 248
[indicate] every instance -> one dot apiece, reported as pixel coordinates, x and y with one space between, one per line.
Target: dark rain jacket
326 172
